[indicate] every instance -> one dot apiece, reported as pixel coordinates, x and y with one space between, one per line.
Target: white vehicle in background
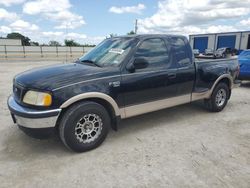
222 52
196 52
209 51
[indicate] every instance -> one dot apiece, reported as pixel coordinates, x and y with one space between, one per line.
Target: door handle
172 75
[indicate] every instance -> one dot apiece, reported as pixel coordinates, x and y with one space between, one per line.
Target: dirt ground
184 146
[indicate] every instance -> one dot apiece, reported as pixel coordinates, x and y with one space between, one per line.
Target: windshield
245 54
110 52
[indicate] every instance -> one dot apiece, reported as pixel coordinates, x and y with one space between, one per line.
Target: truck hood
52 77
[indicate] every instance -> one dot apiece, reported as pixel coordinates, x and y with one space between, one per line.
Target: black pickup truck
120 78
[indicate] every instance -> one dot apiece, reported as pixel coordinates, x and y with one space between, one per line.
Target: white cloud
52 34
45 6
60 16
191 16
70 24
66 19
78 37
75 36
46 36
245 22
128 9
220 28
5 29
89 39
8 3
55 10
23 26
7 16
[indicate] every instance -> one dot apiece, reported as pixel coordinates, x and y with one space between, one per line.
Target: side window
179 52
154 51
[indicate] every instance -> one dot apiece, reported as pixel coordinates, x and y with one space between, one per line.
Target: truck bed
212 59
208 70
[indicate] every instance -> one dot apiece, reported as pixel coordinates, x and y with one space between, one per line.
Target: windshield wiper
90 62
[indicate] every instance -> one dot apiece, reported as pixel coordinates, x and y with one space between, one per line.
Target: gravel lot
184 146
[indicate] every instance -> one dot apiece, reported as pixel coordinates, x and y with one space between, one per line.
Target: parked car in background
209 51
234 52
222 52
196 52
244 61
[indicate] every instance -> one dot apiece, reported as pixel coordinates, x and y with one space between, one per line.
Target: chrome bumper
31 118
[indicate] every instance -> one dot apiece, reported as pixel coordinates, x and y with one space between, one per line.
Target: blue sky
91 21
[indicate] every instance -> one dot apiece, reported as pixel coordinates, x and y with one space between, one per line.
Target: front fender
90 95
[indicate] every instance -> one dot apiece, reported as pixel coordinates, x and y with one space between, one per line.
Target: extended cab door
148 87
181 55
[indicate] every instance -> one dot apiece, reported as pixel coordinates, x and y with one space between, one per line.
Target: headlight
37 98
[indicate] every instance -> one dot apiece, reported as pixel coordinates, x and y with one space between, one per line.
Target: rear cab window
179 52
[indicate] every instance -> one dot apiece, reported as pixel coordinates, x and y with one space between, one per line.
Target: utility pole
136 26
66 38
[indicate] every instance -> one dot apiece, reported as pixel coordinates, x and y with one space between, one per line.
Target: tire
84 126
219 98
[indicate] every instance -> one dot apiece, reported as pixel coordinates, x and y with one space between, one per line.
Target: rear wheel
84 126
219 98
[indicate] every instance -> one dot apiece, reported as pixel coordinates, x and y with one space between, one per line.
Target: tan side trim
154 106
103 96
207 94
199 96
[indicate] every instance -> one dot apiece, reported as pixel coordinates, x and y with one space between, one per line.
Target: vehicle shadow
159 118
19 146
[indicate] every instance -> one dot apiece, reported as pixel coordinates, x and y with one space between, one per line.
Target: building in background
10 42
234 40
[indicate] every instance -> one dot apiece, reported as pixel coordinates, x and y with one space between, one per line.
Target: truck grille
18 92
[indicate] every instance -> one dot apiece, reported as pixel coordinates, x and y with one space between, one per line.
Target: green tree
71 42
89 45
25 40
54 43
32 43
131 33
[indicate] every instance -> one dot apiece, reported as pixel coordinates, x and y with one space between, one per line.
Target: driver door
145 88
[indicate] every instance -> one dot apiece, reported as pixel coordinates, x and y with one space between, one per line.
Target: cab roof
144 36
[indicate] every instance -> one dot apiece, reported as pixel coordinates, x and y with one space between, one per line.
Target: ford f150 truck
120 78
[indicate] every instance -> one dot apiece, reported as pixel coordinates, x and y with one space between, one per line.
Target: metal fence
41 52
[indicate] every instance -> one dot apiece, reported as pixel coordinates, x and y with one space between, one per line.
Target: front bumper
31 118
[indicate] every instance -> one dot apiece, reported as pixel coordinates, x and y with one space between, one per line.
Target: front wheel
84 126
219 98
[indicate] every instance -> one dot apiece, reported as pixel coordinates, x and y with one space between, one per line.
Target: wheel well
102 102
228 83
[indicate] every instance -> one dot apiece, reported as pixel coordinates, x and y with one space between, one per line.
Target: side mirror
130 67
139 63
